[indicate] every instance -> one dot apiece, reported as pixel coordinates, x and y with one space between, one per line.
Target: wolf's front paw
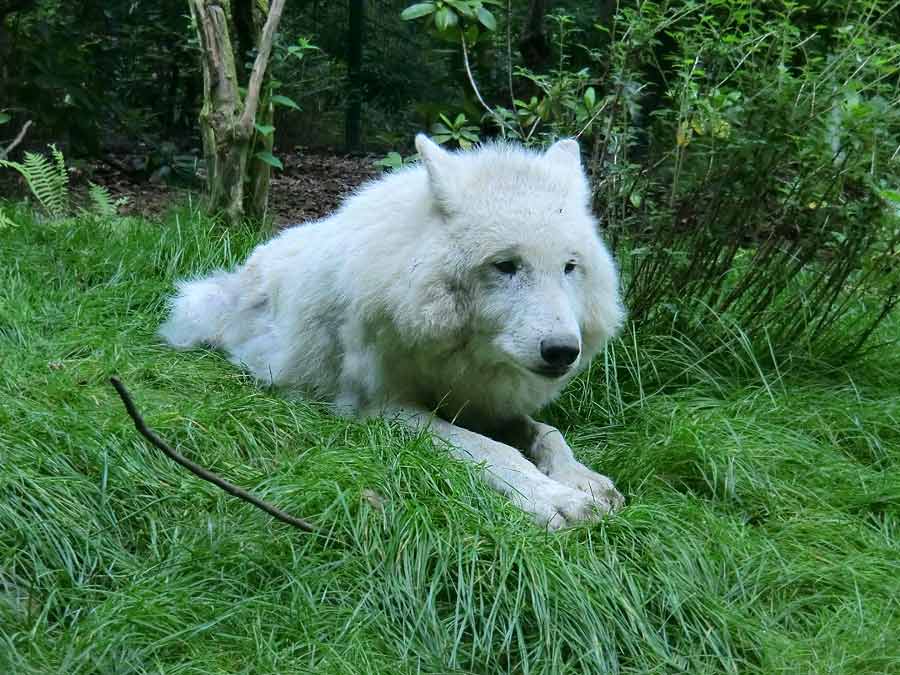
556 506
599 487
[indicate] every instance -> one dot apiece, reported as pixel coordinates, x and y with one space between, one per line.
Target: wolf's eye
569 268
507 267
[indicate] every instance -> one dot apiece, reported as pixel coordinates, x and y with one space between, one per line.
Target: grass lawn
761 534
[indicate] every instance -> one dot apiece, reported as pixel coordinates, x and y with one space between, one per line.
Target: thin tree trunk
353 122
237 186
534 44
260 171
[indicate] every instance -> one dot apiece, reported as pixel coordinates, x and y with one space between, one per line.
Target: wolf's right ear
439 165
565 152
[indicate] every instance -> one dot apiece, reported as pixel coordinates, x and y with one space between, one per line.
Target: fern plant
47 178
102 202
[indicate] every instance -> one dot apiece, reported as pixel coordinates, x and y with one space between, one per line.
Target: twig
4 153
490 110
746 56
198 470
595 116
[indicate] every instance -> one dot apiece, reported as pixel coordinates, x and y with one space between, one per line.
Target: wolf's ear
439 164
565 152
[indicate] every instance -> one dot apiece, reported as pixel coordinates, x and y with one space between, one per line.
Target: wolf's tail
201 310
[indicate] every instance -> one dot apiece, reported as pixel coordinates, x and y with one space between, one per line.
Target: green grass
761 535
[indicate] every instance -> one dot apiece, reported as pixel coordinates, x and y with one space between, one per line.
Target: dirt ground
312 184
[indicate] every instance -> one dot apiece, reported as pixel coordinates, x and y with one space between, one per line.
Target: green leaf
464 7
487 19
264 129
306 45
278 99
635 199
417 10
269 158
393 160
590 98
294 51
445 18
4 117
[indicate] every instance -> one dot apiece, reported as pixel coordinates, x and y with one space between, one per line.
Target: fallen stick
198 470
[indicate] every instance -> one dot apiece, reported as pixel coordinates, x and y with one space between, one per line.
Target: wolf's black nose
560 352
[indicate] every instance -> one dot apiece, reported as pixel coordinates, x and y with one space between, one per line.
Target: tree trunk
260 171
353 120
534 44
237 182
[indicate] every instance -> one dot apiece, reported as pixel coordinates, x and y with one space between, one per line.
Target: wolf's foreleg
551 503
547 448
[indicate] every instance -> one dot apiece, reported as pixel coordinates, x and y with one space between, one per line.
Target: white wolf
461 294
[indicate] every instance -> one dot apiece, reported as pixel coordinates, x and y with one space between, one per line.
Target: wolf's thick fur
473 286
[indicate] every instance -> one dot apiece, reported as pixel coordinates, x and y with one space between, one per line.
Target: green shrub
743 159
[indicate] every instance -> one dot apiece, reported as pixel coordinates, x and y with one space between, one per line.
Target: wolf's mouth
550 373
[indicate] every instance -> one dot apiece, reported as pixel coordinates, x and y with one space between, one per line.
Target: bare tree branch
4 152
251 101
198 10
222 55
198 470
465 51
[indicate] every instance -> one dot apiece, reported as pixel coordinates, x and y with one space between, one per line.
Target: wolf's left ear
565 152
439 164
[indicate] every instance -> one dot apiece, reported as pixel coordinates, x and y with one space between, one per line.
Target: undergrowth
761 533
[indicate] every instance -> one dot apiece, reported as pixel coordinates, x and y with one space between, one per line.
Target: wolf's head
524 277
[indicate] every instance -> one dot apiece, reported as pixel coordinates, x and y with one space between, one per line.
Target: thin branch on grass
4 152
198 470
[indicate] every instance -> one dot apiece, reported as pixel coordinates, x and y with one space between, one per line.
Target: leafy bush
743 158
